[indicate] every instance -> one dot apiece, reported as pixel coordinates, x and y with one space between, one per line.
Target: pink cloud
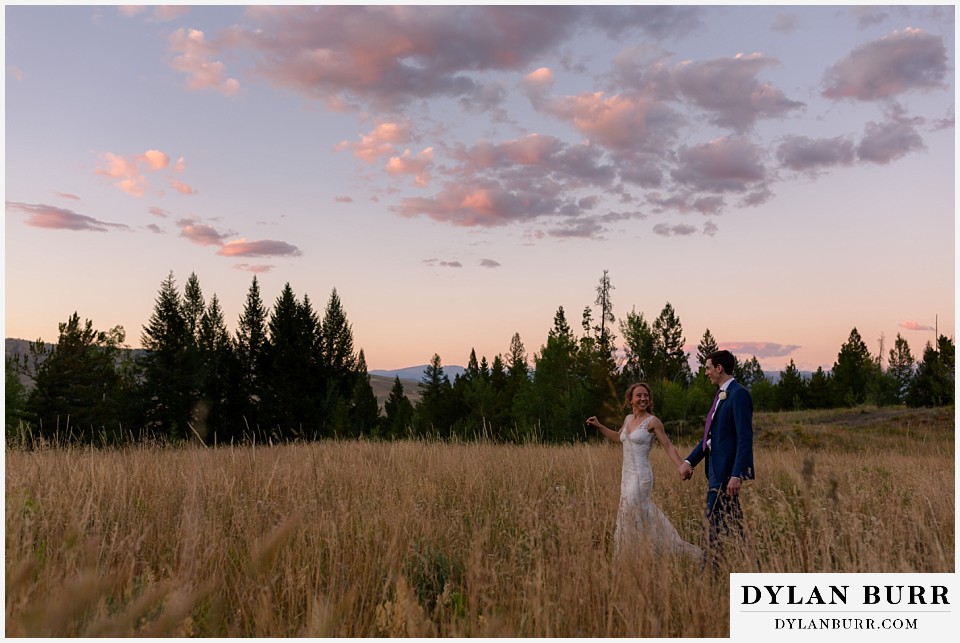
258 268
181 187
155 160
53 218
201 233
385 56
381 141
912 325
758 349
158 212
885 142
618 122
118 167
343 199
723 165
880 69
729 89
129 173
265 248
805 154
67 195
135 186
417 166
195 58
16 72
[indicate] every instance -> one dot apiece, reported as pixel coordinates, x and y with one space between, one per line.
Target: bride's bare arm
656 427
613 436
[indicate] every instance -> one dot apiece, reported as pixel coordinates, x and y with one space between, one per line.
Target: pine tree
557 392
168 370
216 368
339 360
15 399
638 335
791 389
517 397
605 336
364 409
398 412
670 361
935 381
706 346
901 367
193 305
287 388
432 410
250 349
749 372
820 390
76 384
852 371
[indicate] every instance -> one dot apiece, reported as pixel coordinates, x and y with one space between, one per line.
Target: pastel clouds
201 233
902 61
418 166
206 235
678 136
181 187
381 141
726 164
759 349
264 248
257 268
195 59
912 325
53 218
129 173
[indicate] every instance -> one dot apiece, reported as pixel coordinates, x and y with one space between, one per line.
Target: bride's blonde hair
629 394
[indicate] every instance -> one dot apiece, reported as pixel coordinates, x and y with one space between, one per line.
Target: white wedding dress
639 518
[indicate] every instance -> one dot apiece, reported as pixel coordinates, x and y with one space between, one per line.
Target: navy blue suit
730 454
731 434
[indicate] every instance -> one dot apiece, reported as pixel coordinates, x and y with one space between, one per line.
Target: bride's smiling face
640 398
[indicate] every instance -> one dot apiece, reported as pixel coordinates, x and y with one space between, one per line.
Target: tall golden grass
449 539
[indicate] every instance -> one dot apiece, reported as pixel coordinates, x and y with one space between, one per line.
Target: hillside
382 384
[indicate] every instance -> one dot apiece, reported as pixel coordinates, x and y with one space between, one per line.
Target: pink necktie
706 428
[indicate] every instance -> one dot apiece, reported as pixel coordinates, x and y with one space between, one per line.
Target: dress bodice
636 481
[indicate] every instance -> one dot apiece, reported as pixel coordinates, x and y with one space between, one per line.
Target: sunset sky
780 175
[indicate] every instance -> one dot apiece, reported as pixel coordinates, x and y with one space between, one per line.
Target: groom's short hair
725 359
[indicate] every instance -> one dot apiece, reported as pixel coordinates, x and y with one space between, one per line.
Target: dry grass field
448 539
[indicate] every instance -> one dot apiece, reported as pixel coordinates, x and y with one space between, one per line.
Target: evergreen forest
292 372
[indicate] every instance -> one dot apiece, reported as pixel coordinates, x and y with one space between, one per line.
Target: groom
727 448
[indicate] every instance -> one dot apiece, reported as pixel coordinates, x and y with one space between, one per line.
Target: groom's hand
686 471
733 486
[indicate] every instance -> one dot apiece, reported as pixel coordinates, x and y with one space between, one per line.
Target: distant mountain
415 373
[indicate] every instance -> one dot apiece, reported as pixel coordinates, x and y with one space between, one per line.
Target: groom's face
714 371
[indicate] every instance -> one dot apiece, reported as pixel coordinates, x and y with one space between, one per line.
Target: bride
638 515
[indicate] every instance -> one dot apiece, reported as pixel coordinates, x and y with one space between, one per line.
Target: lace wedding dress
639 518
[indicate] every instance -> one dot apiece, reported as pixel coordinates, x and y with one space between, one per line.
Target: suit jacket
731 446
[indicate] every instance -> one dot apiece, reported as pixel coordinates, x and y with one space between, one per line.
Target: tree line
288 373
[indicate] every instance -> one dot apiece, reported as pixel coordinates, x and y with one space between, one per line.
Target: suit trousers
724 524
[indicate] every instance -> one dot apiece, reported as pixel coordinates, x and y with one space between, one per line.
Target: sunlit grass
450 539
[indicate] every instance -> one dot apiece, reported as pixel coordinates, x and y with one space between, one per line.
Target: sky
779 174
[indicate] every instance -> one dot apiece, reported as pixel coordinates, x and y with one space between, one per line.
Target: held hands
686 471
